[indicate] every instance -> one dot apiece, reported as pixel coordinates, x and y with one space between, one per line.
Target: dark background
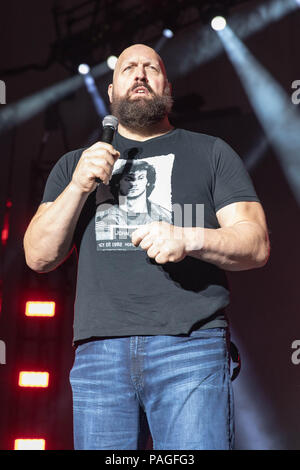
264 312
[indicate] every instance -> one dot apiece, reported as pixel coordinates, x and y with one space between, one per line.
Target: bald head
138 50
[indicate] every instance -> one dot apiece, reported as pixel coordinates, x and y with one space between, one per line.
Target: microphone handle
107 137
107 134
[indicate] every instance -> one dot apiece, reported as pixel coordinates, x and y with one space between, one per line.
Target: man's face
138 65
134 184
140 93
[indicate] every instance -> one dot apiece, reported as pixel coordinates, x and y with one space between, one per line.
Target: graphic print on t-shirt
139 193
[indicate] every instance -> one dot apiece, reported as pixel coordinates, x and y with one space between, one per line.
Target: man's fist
95 162
162 241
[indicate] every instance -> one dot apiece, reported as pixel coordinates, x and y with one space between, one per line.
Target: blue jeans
181 384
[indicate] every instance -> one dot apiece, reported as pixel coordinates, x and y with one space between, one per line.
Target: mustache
145 85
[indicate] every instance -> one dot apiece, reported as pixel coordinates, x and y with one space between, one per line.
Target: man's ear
109 91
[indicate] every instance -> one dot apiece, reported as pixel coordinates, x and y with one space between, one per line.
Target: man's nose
140 73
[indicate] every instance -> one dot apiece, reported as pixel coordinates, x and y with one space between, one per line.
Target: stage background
264 312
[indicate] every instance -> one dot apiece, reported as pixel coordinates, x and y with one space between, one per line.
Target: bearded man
150 328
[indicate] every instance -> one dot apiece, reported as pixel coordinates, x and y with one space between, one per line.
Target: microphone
110 125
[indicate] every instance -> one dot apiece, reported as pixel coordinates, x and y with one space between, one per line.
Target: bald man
150 327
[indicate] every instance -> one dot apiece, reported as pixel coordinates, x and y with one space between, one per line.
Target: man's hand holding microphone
97 162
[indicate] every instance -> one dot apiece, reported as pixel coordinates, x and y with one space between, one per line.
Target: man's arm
240 243
48 238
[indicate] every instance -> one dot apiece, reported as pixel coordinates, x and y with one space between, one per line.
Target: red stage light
40 309
30 444
5 231
5 228
33 379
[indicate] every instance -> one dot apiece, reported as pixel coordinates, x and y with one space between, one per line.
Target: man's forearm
48 238
242 246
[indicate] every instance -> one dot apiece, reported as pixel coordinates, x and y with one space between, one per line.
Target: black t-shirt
178 177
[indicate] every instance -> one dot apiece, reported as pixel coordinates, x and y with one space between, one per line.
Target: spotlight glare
111 62
218 23
168 33
83 69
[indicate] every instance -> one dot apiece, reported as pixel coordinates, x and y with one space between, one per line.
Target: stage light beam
218 23
14 114
83 69
278 116
201 45
168 33
111 61
91 87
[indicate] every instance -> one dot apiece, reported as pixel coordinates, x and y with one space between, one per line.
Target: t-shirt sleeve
61 175
232 181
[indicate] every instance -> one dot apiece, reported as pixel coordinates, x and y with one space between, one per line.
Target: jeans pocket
83 346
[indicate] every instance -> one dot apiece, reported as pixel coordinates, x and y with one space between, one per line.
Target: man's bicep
244 211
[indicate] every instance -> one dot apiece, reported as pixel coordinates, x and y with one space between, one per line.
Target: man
150 327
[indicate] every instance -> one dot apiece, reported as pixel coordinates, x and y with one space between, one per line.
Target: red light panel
5 232
40 309
5 228
33 379
30 444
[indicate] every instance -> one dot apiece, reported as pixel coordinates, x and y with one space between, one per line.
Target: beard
141 112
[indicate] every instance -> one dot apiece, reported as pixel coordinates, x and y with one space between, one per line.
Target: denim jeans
181 384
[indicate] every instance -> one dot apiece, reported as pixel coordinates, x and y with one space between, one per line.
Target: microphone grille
110 121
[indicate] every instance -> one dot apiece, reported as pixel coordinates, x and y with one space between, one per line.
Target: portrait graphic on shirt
139 193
